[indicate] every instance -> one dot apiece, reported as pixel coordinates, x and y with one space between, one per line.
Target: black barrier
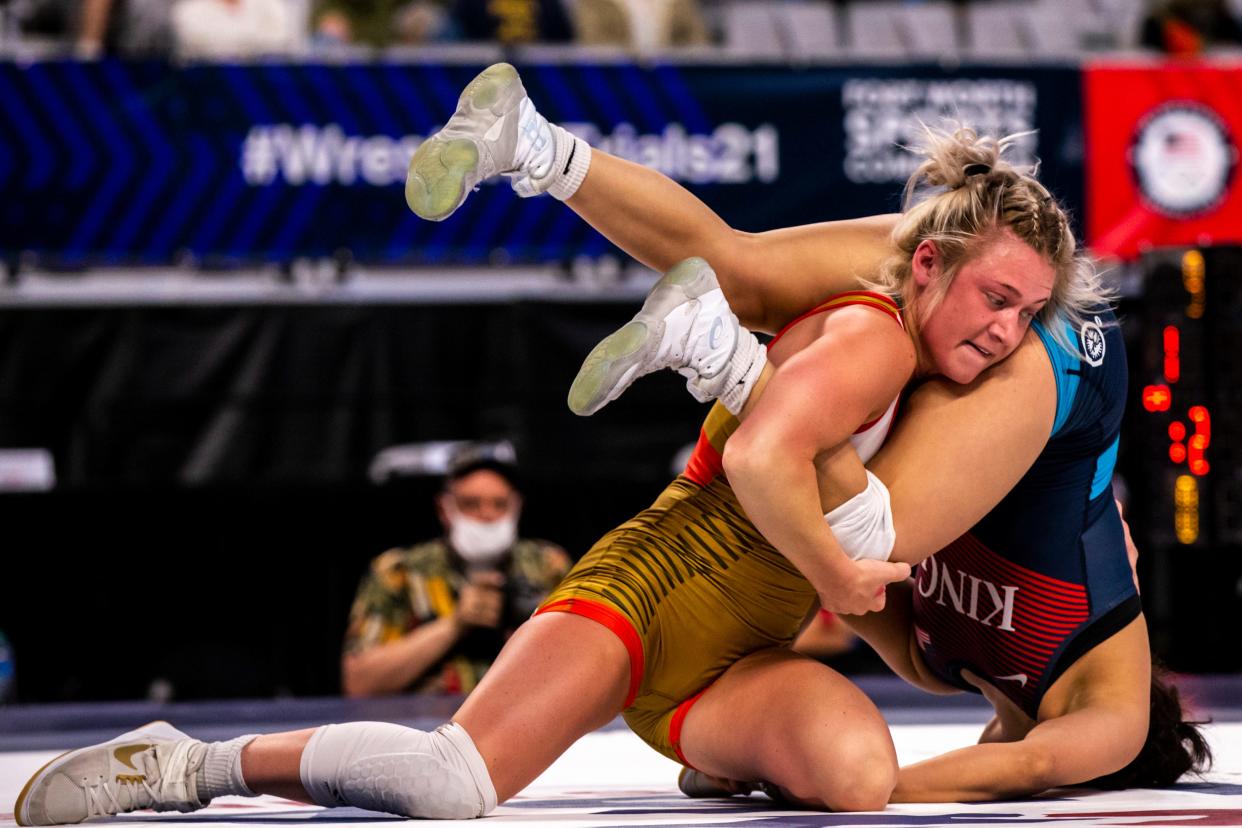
219 455
110 162
308 395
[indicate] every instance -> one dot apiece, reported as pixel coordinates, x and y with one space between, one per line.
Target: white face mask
481 541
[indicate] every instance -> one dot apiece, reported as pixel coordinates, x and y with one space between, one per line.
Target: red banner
1162 155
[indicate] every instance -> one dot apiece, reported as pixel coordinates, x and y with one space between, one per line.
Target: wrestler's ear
925 263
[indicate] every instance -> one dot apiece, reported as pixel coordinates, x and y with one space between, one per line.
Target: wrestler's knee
858 775
386 767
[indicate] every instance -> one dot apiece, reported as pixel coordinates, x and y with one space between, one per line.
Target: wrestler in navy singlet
1044 576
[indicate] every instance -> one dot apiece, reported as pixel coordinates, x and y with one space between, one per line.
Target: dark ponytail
1175 745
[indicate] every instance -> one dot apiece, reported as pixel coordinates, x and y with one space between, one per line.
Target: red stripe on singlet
705 461
679 718
871 299
613 620
879 301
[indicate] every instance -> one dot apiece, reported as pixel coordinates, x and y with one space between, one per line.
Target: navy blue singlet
1044 576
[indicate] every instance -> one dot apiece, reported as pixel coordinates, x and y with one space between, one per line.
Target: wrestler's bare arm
770 459
955 450
768 277
890 633
1092 723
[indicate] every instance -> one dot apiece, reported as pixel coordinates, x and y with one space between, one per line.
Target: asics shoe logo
535 135
713 336
125 754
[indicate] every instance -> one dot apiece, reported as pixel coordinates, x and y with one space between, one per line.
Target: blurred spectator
145 28
233 28
133 28
383 23
513 21
93 28
432 617
86 24
46 18
641 25
424 21
1188 27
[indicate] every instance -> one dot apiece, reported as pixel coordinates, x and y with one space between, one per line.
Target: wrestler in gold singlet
690 585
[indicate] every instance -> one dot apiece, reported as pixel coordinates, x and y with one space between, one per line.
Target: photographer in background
431 618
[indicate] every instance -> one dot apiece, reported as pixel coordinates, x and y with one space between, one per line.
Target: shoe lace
170 790
101 794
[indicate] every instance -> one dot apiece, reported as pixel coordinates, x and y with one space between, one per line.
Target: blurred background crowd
947 29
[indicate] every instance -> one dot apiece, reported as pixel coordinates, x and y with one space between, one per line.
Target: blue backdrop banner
115 163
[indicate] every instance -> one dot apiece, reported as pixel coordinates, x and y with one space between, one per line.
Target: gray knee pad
386 767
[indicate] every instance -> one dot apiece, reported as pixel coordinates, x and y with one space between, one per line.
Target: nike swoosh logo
1020 678
125 754
713 336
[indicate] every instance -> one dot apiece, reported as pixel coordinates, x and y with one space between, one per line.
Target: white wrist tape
387 767
863 525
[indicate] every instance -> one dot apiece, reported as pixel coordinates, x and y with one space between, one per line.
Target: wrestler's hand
862 590
481 602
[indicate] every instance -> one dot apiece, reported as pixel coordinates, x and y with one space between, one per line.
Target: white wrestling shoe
494 130
685 324
476 143
152 767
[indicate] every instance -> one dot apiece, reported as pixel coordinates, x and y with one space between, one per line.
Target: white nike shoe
152 767
685 324
495 129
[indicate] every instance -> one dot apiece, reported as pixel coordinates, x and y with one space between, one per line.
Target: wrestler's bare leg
559 677
785 719
769 277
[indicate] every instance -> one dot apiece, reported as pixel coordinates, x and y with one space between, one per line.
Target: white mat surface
611 779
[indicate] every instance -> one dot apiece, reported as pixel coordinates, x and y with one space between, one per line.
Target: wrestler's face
986 309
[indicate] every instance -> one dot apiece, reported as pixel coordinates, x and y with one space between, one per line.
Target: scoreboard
1188 375
1184 463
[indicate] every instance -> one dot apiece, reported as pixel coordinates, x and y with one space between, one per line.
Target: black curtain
212 512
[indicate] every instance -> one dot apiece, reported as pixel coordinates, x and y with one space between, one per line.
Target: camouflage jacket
410 586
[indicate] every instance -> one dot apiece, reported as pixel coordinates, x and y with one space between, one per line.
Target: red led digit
1157 398
1172 354
1200 440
